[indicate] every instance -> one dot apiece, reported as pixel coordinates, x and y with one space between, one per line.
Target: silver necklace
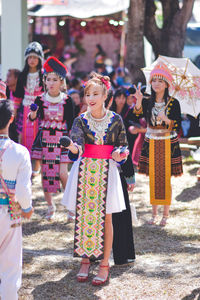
99 126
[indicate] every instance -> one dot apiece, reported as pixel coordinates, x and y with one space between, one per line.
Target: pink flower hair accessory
107 83
84 83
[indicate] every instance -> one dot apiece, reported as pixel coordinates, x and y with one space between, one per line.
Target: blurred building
79 24
78 27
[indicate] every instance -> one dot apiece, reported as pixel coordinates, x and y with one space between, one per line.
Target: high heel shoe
70 217
82 277
99 280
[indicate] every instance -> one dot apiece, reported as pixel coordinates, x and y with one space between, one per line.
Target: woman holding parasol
160 156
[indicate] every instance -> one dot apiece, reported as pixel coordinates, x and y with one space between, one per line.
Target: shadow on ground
195 295
67 288
160 241
189 194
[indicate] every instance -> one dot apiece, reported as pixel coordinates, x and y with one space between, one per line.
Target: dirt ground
167 262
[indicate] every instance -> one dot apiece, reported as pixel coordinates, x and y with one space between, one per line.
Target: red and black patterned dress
56 115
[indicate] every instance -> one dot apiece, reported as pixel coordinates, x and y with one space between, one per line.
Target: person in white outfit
15 203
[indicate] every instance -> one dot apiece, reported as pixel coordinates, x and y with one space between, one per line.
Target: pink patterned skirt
46 147
26 128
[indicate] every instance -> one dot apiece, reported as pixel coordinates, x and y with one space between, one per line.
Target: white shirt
16 171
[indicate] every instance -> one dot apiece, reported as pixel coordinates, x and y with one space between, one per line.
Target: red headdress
53 65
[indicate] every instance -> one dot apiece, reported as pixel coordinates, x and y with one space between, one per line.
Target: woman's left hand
118 156
161 116
130 187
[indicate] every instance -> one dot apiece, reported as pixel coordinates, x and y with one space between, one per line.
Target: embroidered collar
57 99
98 127
36 74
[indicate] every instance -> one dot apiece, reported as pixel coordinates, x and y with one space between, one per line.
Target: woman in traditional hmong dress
56 112
123 242
29 86
94 188
161 156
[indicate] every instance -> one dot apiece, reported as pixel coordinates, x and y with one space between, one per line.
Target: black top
173 112
114 134
128 119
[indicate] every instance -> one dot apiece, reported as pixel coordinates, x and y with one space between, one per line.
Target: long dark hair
25 72
6 111
118 93
152 100
109 98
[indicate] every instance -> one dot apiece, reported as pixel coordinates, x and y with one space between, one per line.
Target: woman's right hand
138 95
33 111
73 148
133 129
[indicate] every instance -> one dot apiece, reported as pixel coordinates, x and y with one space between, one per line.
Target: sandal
50 212
70 217
153 220
35 174
99 280
82 277
163 222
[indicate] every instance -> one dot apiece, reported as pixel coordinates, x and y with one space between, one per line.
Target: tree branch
169 8
135 44
177 28
185 13
151 30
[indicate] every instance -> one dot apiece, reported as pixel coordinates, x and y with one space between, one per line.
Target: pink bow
107 84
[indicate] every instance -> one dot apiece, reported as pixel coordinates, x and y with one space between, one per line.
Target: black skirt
123 243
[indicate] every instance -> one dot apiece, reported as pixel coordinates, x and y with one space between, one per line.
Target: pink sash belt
98 151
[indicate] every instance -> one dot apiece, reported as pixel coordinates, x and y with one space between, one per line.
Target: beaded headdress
161 71
35 49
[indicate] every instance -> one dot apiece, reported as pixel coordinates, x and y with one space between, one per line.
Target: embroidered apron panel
91 208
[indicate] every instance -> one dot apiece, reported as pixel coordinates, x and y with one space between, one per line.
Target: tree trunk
135 44
170 39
